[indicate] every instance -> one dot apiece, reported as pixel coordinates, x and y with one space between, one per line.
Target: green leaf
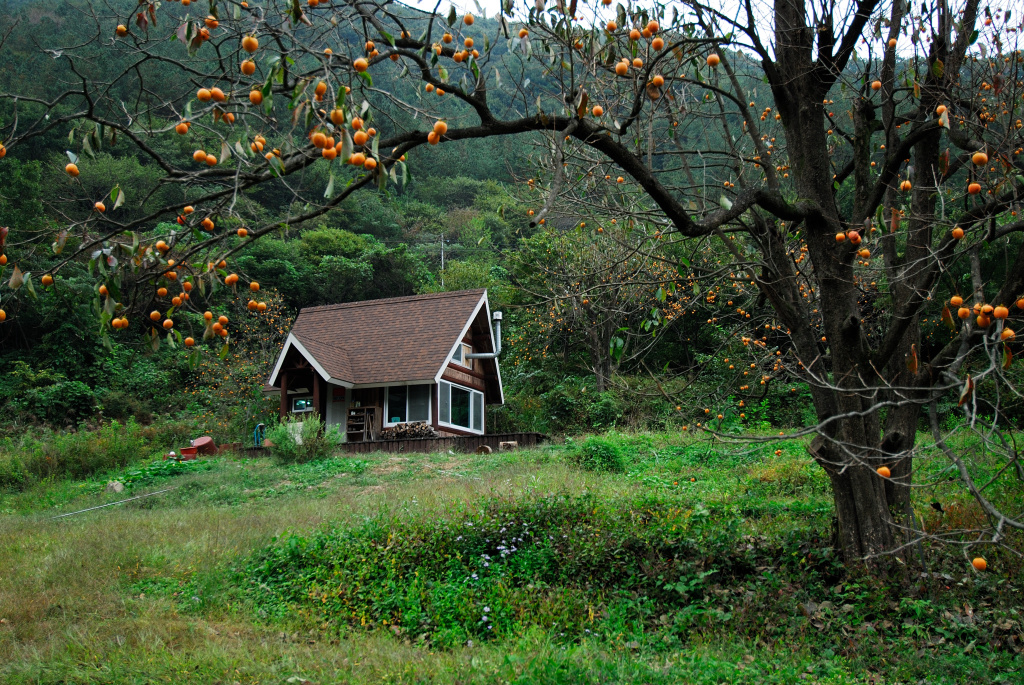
347 146
223 354
276 165
365 75
725 202
72 156
329 193
615 348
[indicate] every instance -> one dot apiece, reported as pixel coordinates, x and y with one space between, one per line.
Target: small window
459 356
301 404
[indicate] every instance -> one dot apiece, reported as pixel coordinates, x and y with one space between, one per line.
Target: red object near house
205 445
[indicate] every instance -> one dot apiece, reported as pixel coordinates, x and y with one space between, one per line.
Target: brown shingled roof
394 340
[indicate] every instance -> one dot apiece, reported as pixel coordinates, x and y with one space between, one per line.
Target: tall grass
78 454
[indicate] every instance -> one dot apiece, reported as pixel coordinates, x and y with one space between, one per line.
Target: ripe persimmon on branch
834 170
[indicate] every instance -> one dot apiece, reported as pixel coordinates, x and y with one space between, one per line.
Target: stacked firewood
409 431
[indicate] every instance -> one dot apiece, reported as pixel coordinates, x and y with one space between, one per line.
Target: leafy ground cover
683 562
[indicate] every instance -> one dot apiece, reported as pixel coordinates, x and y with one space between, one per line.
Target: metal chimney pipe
496 316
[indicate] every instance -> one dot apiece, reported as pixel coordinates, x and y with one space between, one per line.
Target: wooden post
316 393
284 395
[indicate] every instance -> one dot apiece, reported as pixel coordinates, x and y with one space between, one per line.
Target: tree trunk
848 443
599 355
864 525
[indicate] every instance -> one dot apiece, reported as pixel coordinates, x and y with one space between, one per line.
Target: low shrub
561 562
298 441
596 454
77 454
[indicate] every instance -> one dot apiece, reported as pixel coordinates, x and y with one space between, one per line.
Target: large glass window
461 407
396 409
444 391
419 402
478 412
407 403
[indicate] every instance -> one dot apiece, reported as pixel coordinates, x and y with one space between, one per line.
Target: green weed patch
571 564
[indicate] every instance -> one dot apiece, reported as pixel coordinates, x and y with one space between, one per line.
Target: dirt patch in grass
392 465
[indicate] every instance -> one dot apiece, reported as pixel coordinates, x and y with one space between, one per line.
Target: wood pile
409 431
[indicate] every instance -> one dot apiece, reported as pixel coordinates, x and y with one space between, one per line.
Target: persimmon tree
596 289
847 158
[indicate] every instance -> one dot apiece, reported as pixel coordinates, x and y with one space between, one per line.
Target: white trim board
462 335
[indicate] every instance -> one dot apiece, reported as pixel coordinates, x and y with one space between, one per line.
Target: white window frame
472 404
302 411
387 413
465 348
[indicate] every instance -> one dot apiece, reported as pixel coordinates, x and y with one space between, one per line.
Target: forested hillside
590 317
465 206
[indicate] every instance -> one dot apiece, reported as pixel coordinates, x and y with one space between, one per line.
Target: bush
298 441
47 395
72 455
597 454
121 406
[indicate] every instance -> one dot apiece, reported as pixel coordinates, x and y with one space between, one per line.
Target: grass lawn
694 563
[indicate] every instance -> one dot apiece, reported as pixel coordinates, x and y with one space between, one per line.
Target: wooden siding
467 443
463 377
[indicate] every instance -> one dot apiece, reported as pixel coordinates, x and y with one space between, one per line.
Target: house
366 366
